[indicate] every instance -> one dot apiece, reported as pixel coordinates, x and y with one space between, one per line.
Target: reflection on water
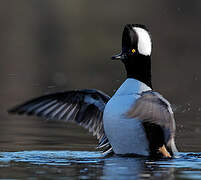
59 158
93 165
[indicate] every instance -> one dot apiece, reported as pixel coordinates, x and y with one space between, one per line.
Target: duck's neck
139 68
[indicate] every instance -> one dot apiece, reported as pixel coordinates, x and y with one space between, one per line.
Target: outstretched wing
84 107
157 116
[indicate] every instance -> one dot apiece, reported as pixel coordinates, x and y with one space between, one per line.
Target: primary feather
85 107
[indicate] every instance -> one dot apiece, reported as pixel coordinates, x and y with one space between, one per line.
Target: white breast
126 136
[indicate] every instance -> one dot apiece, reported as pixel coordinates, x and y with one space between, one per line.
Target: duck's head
136 52
136 41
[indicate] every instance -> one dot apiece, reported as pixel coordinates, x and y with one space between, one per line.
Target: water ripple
88 165
51 157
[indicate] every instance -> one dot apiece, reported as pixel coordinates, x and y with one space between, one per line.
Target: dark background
48 46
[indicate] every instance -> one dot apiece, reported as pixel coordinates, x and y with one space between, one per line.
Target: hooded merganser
135 120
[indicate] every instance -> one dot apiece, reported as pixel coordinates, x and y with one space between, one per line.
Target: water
93 165
34 149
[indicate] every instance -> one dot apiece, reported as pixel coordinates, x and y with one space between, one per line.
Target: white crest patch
144 41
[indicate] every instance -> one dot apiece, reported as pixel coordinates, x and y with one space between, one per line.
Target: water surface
93 165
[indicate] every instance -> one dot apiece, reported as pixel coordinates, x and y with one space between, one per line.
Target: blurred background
49 46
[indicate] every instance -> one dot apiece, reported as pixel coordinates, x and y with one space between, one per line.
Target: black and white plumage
136 120
85 107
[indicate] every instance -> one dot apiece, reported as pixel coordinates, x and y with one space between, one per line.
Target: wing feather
155 113
85 107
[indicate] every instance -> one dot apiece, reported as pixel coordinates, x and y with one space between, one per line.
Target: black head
136 52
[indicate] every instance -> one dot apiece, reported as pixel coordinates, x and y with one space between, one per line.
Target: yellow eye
133 50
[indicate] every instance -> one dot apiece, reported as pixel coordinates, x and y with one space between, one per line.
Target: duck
136 120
